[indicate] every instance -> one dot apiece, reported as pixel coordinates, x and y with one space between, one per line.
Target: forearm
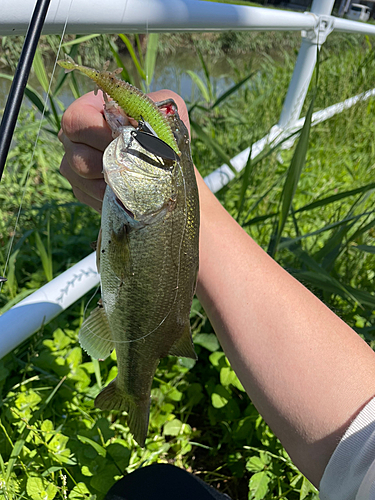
305 370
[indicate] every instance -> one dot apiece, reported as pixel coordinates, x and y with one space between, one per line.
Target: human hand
85 134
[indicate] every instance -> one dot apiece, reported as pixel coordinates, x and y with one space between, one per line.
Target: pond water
170 72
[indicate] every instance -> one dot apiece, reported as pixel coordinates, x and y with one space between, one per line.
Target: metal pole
13 104
322 7
344 7
139 16
305 65
347 26
39 308
299 84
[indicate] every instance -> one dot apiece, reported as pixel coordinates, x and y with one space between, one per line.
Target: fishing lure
148 139
134 102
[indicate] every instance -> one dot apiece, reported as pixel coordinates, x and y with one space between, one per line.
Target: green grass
53 443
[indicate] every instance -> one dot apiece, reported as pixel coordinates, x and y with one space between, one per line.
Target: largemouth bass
147 255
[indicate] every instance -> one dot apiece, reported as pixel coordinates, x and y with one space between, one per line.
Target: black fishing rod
12 107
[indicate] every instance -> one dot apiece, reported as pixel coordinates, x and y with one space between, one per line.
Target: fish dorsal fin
95 335
184 346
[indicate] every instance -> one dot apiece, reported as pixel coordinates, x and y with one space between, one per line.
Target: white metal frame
94 16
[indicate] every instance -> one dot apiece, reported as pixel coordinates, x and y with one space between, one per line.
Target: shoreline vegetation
214 44
53 443
229 43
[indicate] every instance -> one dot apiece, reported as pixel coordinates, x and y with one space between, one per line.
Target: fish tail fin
111 398
138 418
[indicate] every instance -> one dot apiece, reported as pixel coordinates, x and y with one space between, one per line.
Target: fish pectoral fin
95 335
112 398
184 346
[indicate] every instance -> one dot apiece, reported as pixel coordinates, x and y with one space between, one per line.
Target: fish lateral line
133 101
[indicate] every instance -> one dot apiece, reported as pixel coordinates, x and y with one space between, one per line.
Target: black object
147 138
146 127
162 482
13 104
2 280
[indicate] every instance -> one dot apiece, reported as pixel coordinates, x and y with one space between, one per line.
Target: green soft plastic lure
133 101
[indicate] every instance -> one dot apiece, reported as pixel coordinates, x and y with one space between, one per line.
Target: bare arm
305 370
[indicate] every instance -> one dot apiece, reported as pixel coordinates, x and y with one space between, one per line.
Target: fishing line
147 37
91 298
123 12
35 145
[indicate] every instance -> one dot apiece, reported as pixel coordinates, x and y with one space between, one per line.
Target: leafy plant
144 65
53 442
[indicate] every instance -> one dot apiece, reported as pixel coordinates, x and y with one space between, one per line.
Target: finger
92 187
84 160
87 199
84 122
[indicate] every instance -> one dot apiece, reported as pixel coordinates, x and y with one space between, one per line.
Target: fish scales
148 260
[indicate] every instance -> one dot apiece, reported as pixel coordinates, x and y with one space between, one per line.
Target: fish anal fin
112 398
95 335
184 346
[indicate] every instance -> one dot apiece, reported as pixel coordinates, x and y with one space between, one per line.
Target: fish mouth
121 205
168 107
